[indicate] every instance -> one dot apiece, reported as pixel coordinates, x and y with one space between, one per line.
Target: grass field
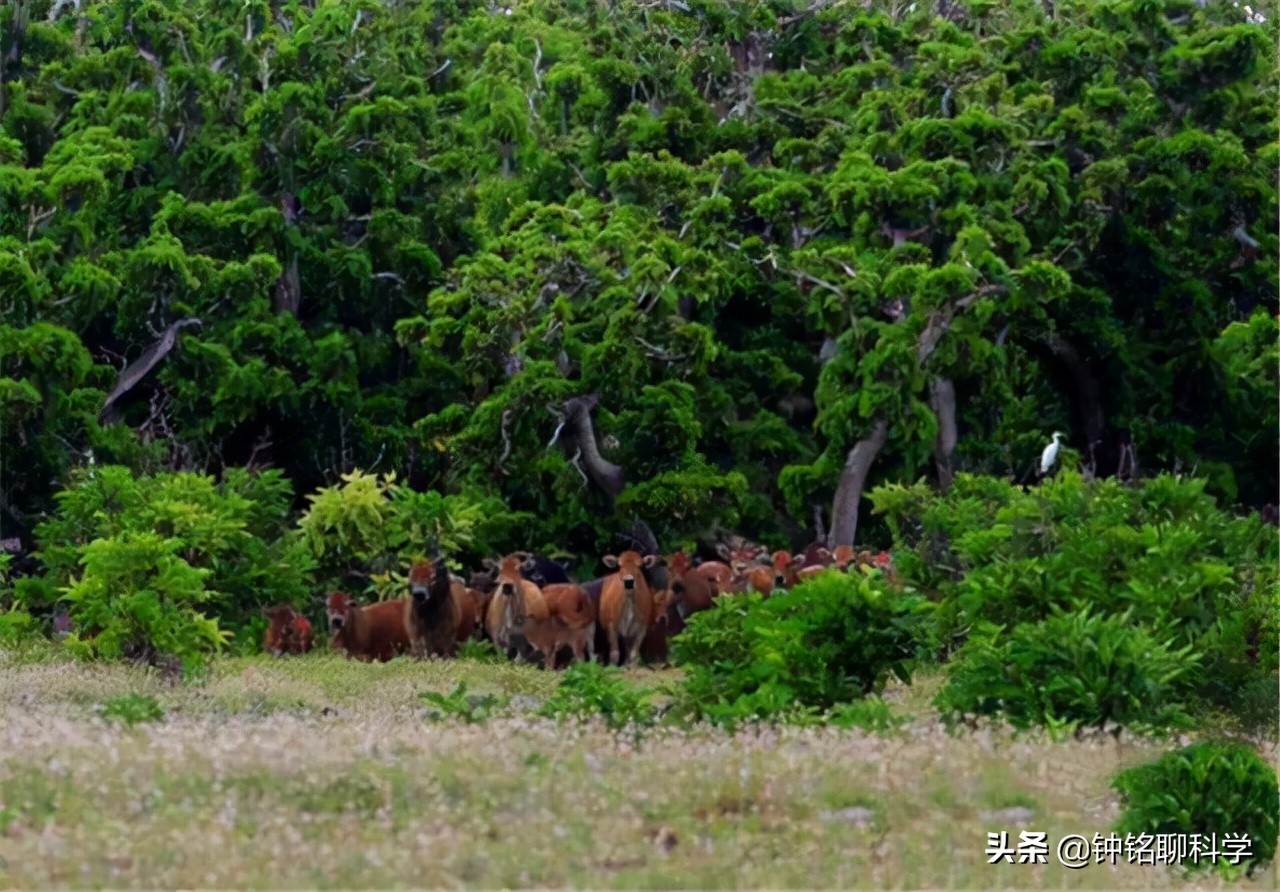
317 772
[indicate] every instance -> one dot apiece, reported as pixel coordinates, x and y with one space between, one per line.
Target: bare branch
506 437
576 461
556 436
135 371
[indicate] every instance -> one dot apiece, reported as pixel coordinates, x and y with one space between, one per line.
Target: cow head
279 629
337 606
427 578
629 565
509 586
816 555
783 572
843 556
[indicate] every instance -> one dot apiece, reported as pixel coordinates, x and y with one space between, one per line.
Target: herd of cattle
529 608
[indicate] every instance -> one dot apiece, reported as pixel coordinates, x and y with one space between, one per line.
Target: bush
830 640
1073 669
132 709
471 708
1162 553
16 627
589 689
233 533
138 599
1216 787
870 714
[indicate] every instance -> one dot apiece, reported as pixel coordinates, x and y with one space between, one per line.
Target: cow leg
615 658
633 648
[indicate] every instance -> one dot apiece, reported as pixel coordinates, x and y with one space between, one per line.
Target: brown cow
569 603
499 619
626 605
718 574
287 631
779 573
375 632
438 614
654 647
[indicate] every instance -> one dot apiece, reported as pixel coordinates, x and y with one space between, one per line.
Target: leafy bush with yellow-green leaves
171 563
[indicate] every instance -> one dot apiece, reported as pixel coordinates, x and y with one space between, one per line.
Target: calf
654 647
573 608
499 620
626 605
434 612
287 631
376 632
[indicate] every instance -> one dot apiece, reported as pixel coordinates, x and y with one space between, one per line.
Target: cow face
337 606
629 565
782 562
422 576
509 580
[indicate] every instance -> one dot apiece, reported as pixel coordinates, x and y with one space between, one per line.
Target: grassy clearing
320 772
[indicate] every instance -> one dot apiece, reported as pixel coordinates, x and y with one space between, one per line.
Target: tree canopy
790 248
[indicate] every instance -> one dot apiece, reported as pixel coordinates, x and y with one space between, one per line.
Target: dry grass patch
318 772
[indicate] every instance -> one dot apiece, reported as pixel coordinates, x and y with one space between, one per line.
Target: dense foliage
588 690
830 640
1073 669
762 232
1093 601
1212 787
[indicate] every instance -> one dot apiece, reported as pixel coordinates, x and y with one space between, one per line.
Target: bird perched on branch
1049 457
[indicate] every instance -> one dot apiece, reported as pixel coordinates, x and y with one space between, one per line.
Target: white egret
1049 457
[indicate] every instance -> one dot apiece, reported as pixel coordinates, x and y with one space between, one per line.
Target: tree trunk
943 401
844 510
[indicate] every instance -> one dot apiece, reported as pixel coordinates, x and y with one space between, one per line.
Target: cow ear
566 563
610 561
265 613
648 560
724 551
489 563
739 566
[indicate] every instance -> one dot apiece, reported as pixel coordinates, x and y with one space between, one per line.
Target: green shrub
830 640
471 708
589 689
131 709
16 627
1162 553
1209 787
137 598
373 523
1074 669
869 714
234 532
481 652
